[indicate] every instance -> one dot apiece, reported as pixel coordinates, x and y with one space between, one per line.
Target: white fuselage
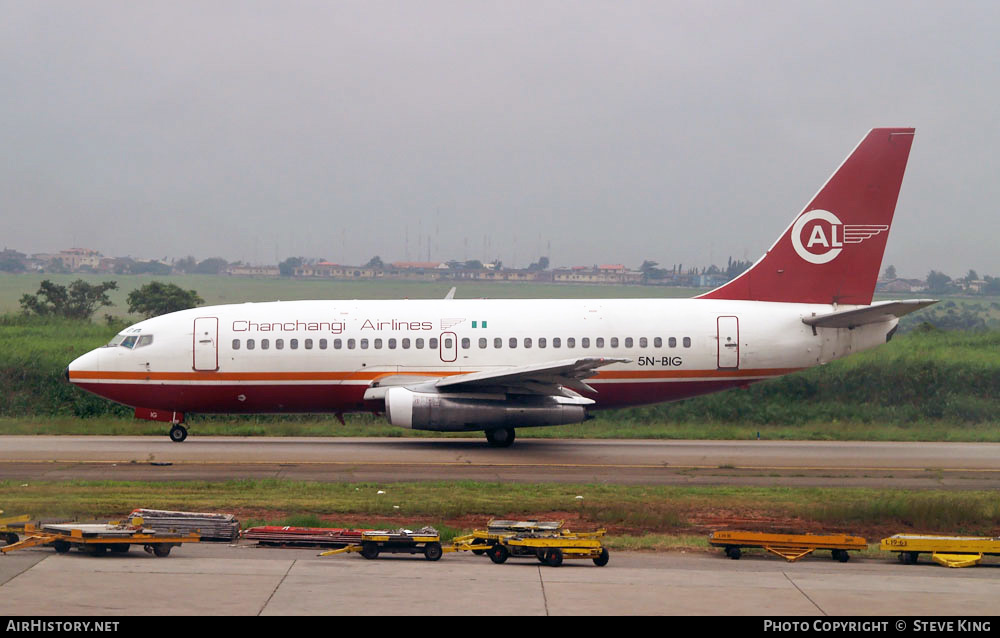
321 356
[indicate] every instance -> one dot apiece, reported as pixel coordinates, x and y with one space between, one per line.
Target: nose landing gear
178 433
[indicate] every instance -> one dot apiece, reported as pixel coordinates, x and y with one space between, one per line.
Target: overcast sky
594 132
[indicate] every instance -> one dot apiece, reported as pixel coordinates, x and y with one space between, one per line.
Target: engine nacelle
431 411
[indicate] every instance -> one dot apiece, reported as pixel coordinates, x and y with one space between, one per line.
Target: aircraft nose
66 374
89 362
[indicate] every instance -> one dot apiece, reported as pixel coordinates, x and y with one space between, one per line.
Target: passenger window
236 344
279 344
585 342
432 343
628 342
643 342
541 342
570 342
293 344
512 342
378 344
482 342
250 344
392 344
687 342
527 342
672 342
350 344
406 344
322 344
600 342
364 344
309 344
497 343
265 344
556 342
657 342
466 343
144 340
337 343
420 344
614 342
448 343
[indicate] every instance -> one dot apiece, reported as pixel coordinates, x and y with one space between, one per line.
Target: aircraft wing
875 313
560 378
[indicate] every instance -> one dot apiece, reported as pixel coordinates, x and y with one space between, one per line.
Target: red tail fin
833 250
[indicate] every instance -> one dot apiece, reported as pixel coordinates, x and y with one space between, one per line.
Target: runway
649 462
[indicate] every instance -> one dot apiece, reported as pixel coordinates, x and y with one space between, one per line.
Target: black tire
554 557
11 538
369 550
119 548
432 551
479 552
161 550
734 553
96 549
909 558
603 559
61 546
841 555
500 437
178 433
498 554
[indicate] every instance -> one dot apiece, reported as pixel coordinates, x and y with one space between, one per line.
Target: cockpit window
129 341
144 340
116 340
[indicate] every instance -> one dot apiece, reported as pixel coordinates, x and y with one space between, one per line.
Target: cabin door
448 347
206 344
729 342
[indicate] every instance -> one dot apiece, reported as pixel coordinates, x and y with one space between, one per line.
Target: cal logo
822 241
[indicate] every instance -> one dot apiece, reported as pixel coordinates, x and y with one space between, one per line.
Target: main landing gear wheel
178 433
500 437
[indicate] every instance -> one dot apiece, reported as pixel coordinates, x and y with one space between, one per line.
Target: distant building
242 270
901 285
608 274
72 259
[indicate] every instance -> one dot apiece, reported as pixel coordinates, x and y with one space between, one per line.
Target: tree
938 282
186 265
79 301
650 271
211 266
157 298
287 267
151 268
473 264
541 264
890 273
375 262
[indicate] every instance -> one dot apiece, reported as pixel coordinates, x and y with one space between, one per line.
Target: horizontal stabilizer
875 313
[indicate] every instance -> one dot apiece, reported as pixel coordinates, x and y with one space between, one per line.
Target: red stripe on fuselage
250 398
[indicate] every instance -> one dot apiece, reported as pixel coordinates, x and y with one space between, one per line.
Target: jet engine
453 412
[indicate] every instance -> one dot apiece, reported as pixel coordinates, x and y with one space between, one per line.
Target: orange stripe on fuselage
91 375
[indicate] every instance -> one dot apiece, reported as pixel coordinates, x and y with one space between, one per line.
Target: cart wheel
841 555
733 552
369 550
61 546
498 554
540 555
554 557
432 551
119 548
909 558
11 538
479 552
603 559
97 549
161 550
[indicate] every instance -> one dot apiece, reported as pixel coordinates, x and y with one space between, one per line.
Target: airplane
495 365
